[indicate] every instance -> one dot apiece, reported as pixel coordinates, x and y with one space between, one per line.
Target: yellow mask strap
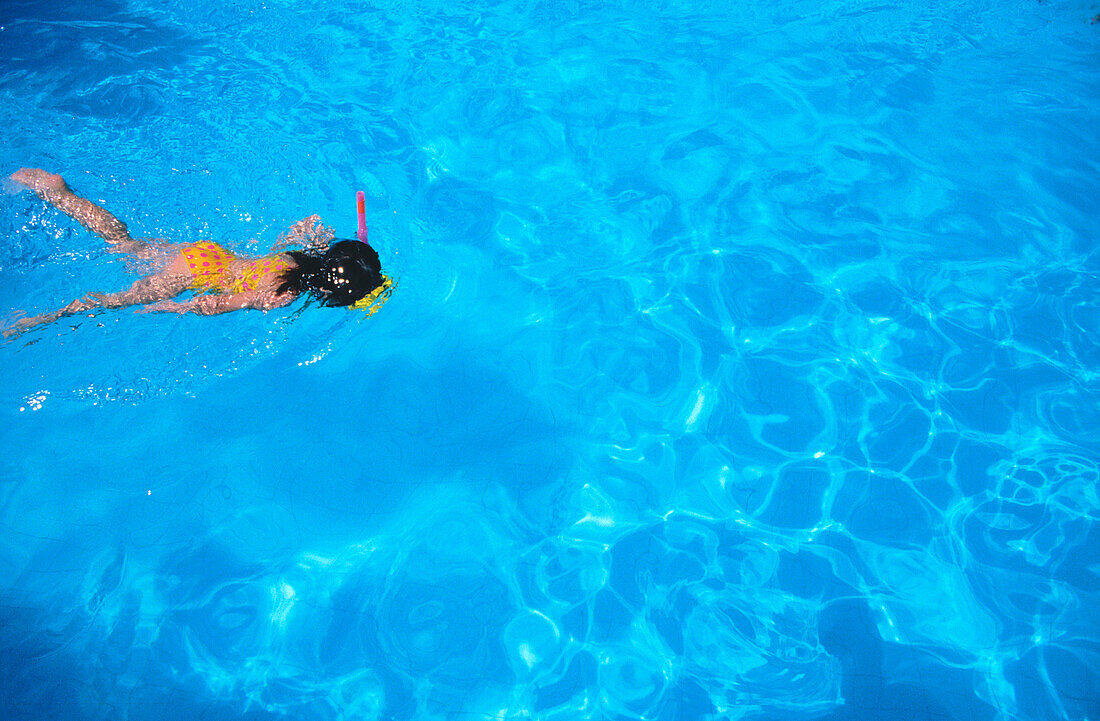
373 301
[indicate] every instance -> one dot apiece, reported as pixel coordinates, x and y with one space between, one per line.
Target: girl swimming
341 273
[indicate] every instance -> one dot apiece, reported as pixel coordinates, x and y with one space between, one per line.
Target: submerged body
347 273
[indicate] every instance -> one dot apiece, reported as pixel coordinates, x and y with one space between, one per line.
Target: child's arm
221 303
310 233
53 189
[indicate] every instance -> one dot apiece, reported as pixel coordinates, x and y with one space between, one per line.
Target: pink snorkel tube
361 208
377 297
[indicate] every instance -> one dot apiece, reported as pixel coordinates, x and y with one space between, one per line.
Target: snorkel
361 209
374 300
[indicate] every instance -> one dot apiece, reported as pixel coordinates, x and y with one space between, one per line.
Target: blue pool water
743 364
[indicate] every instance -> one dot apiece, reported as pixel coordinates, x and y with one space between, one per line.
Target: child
345 273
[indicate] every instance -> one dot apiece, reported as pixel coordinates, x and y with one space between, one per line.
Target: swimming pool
743 363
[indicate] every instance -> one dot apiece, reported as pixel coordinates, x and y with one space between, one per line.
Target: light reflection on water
743 365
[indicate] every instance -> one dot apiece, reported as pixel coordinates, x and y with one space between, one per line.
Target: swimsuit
209 266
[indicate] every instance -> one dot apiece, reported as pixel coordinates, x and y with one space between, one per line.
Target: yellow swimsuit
209 265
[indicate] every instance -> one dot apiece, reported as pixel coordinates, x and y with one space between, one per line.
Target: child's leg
160 286
157 249
54 190
166 284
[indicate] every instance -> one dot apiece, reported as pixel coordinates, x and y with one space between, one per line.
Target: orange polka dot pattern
209 264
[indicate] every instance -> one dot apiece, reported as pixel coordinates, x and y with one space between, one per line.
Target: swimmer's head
347 272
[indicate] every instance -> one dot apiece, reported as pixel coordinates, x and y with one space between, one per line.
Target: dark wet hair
347 272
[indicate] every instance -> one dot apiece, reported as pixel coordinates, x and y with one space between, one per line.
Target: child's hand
310 233
39 180
304 226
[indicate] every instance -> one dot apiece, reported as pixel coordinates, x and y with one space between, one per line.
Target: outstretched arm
310 233
53 189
